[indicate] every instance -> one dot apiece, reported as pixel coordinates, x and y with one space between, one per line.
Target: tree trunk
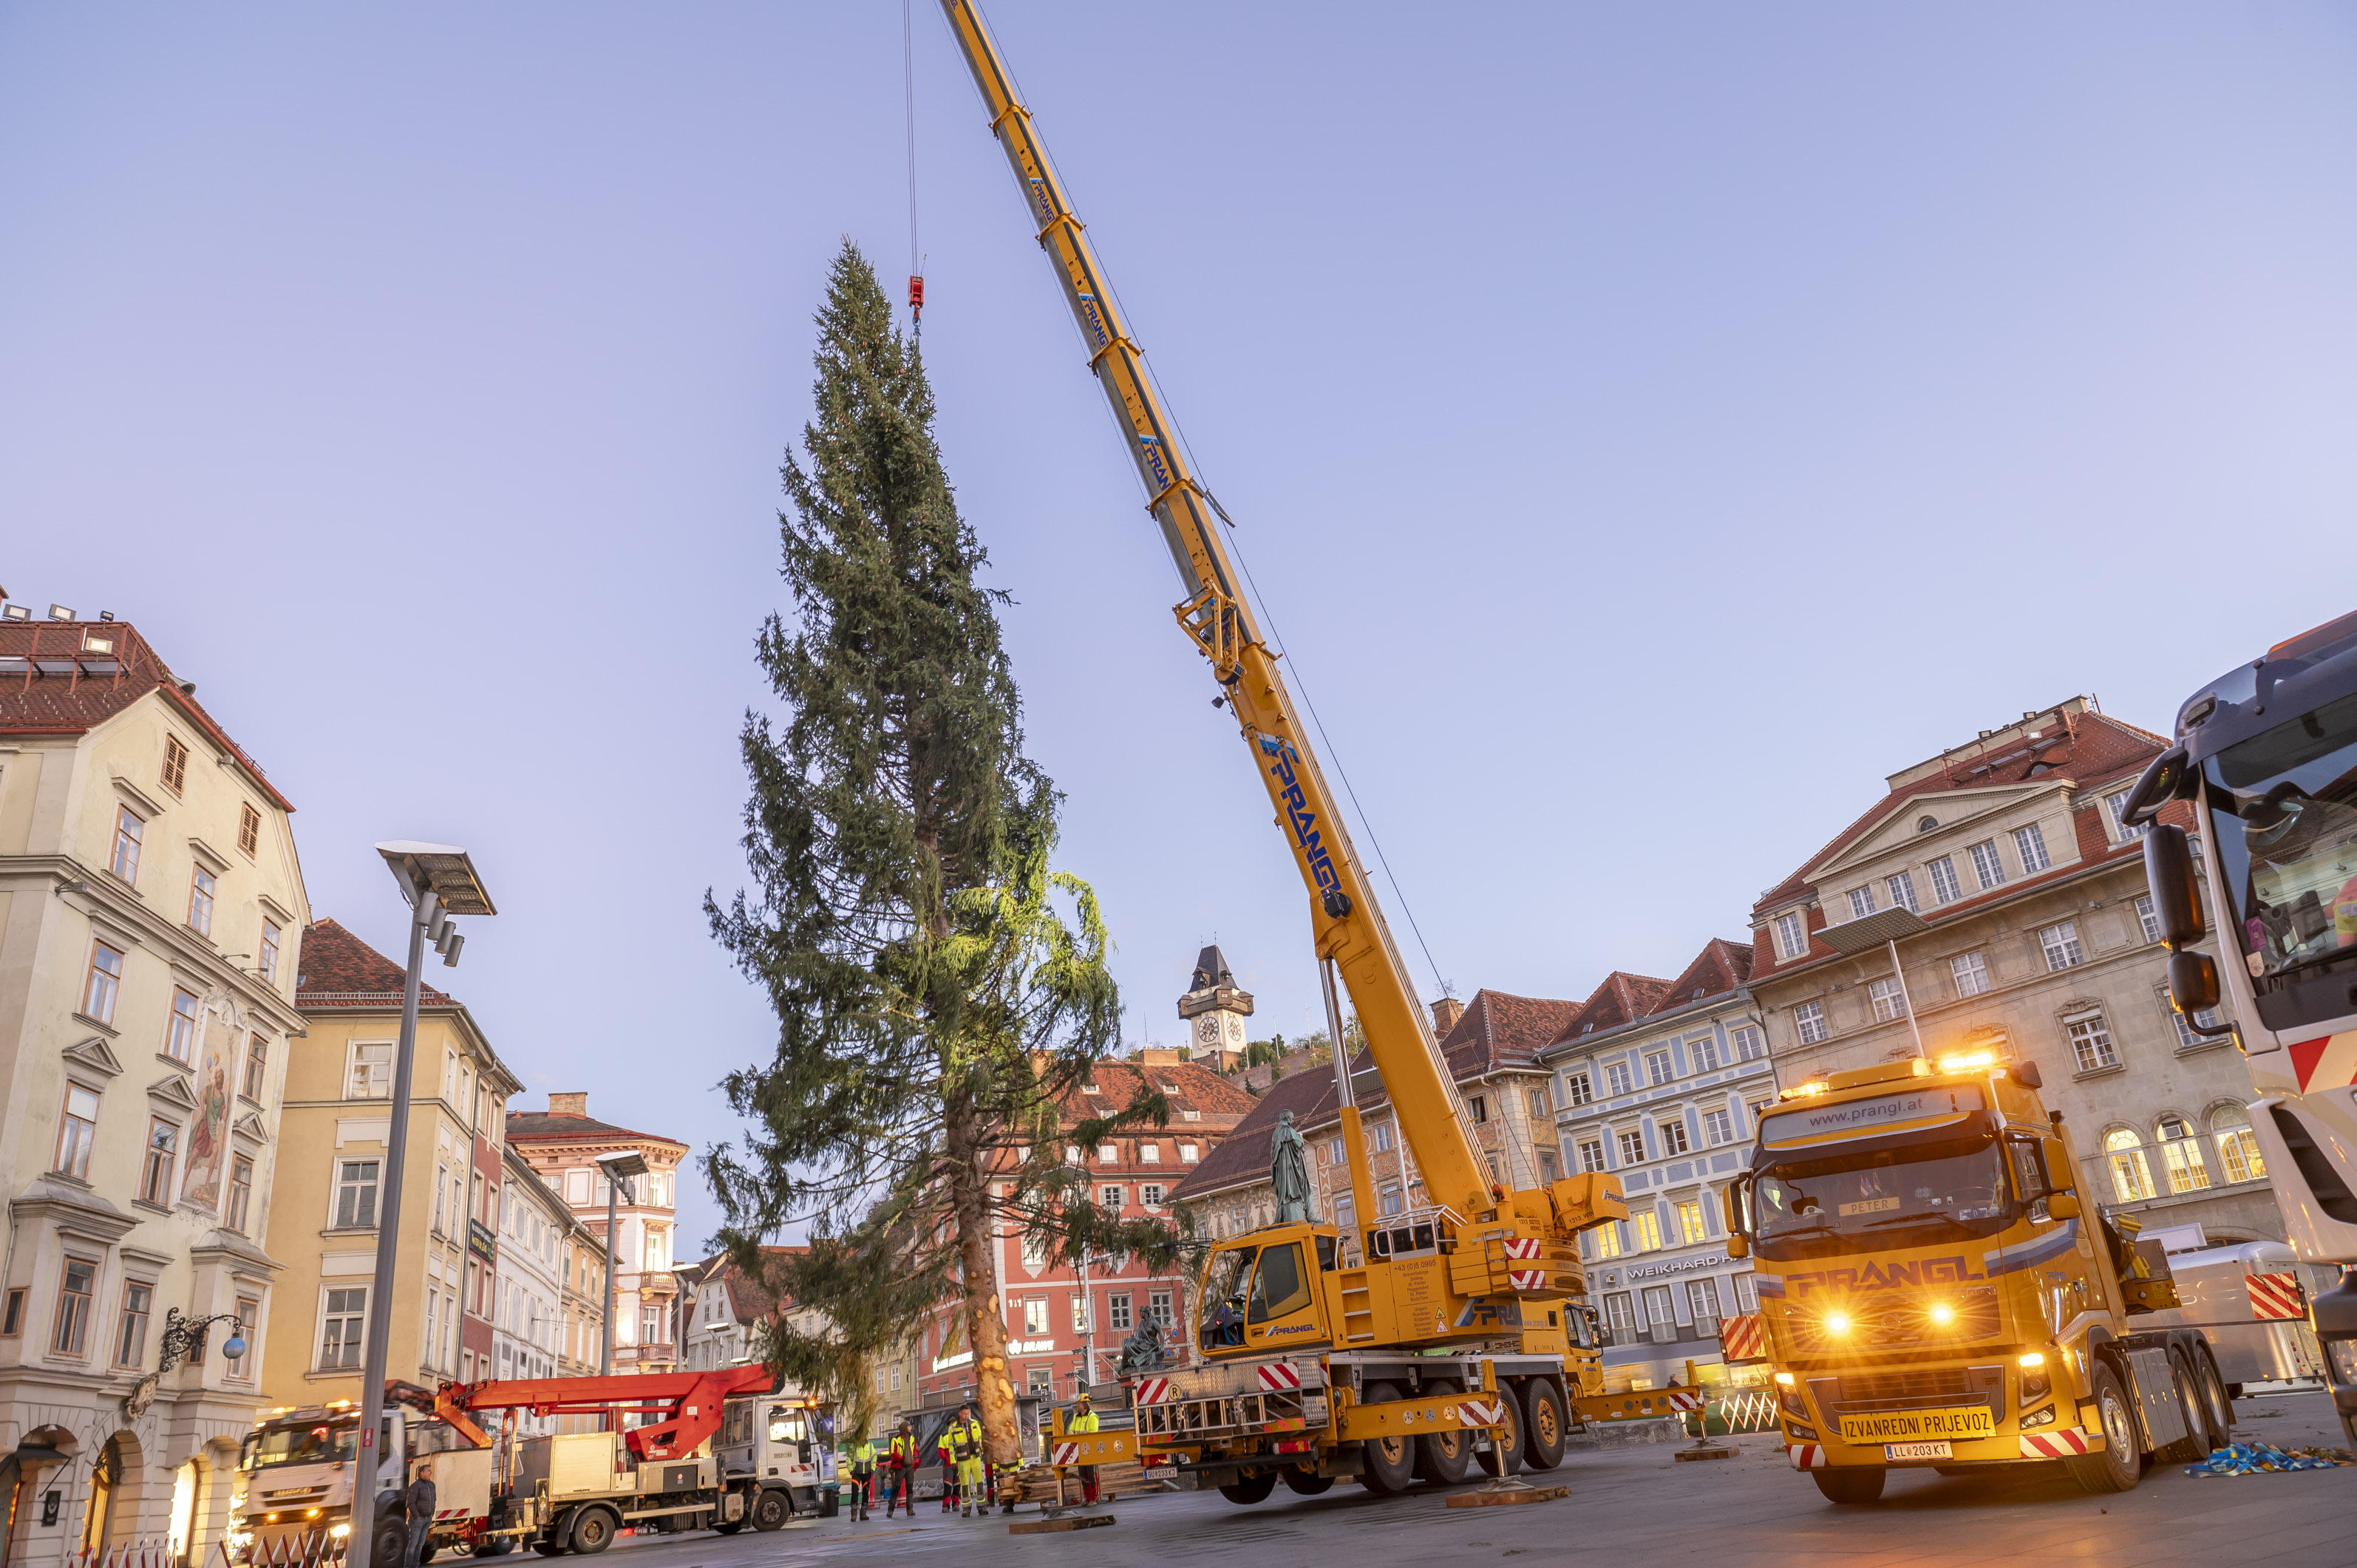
986 1320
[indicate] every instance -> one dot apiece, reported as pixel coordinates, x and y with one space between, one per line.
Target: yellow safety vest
1086 1423
965 1439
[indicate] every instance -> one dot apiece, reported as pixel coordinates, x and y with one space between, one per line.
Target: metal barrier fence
1754 1409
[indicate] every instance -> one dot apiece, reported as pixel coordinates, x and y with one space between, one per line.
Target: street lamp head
445 870
624 1162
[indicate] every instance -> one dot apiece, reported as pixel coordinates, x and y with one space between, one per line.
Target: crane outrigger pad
1063 1522
1489 1500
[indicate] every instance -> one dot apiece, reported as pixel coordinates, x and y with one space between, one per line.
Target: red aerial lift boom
687 1405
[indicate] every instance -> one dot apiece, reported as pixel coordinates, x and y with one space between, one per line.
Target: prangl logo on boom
1296 810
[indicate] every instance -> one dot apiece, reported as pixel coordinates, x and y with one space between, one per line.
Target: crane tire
1252 1487
1442 1457
1505 1456
1542 1425
2119 1466
1305 1483
1850 1484
2217 1411
1387 1463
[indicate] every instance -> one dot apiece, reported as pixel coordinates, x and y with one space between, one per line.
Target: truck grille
1915 1386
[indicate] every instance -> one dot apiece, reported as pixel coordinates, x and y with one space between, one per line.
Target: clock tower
1214 1011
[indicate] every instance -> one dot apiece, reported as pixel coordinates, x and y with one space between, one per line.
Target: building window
2031 844
77 1131
1986 868
1606 1239
1746 1043
1381 1137
1150 1154
131 1334
1702 1295
2131 1178
201 886
106 981
1690 1230
241 1192
1791 941
1111 1198
2238 1147
1390 1202
1336 1151
175 764
1702 1052
2091 1042
1746 1300
1035 1319
355 1195
269 965
129 833
1672 1136
75 1289
1944 887
1157 1306
1579 1089
248 1312
1617 1080
2116 806
2059 943
1109 1154
1632 1147
1861 903
1902 887
1657 1067
340 1334
369 1073
156 1170
1035 1252
257 1067
1618 1316
1537 1099
2180 1155
2148 917
1150 1195
1889 1002
1548 1169
1591 1155
249 828
1118 1312
181 1029
1189 1154
1645 1229
1809 1019
1971 970
1718 1127
1478 1104
12 1319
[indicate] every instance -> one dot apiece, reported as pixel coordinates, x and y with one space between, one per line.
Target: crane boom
1347 923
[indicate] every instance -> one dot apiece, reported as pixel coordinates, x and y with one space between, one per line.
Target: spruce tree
939 987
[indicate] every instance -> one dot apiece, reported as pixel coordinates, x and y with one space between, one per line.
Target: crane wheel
1861 1483
1388 1464
1253 1488
2119 1466
1442 1457
2217 1413
1305 1483
770 1510
1542 1425
2194 1447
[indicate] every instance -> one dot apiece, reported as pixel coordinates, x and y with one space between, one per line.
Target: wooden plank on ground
1507 1499
1061 1522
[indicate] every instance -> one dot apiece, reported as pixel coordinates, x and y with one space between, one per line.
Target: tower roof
1210 970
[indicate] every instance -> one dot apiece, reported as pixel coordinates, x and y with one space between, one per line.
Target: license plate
1893 1452
1919 1426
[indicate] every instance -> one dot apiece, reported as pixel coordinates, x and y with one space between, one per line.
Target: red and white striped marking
1153 1391
2274 1296
1476 1411
1523 1247
1526 1279
1806 1456
1685 1401
2329 1061
2058 1445
1066 1454
1740 1339
1278 1376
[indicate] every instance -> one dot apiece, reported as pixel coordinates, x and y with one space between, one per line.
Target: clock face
1207 1029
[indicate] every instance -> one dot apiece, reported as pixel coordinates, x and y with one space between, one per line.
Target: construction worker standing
901 1470
863 1471
1084 1420
963 1439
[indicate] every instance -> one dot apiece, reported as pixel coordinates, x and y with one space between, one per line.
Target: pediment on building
94 1053
172 1090
1898 830
249 1126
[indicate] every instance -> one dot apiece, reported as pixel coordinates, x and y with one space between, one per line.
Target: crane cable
908 99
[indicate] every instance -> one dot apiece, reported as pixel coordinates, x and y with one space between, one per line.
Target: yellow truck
1935 1290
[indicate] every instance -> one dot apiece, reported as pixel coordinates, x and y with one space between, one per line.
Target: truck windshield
1223 1291
1915 1197
2284 807
301 1444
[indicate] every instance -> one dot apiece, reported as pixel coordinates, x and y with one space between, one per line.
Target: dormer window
1926 824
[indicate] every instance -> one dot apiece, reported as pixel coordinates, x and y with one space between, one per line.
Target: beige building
2033 933
333 1133
151 914
562 1144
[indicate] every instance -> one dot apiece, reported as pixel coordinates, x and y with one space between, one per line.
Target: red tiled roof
1242 1154
749 1300
1188 1086
60 690
1499 1030
541 1127
339 970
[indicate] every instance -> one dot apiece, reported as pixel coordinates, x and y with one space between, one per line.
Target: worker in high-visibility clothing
1083 1419
901 1470
863 1473
964 1440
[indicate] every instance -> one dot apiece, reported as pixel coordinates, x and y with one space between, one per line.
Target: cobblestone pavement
1638 1507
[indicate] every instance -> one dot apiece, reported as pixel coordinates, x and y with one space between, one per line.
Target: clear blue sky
1650 425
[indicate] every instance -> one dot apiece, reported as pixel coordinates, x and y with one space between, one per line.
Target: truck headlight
340 1532
1836 1322
2038 1418
2035 1381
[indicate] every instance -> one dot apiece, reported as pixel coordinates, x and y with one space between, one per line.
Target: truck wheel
2117 1469
593 1531
1252 1489
770 1510
2217 1411
1505 1454
391 1543
1389 1463
2194 1447
1542 1425
1855 1484
1305 1483
1442 1457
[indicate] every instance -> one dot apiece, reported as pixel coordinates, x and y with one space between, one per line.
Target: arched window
2131 1178
2238 1148
2180 1155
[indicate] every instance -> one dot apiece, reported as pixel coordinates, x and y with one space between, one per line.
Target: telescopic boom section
1348 926
686 1406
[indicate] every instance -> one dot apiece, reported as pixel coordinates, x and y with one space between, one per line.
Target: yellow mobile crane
1397 1352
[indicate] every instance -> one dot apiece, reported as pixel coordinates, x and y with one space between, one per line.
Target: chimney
569 1104
1159 1056
1445 1013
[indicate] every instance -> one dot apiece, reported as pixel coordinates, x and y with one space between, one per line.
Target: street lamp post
618 1166
439 881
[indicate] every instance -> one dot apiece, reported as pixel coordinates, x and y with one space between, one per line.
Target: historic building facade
151 917
562 1145
2021 920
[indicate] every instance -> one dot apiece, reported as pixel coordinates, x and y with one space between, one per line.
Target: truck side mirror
1737 1247
2192 982
2062 1206
2168 777
2169 872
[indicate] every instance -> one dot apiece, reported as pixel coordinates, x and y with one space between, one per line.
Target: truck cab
294 1477
1265 1291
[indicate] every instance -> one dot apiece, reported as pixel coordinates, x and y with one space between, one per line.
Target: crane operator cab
1262 1292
